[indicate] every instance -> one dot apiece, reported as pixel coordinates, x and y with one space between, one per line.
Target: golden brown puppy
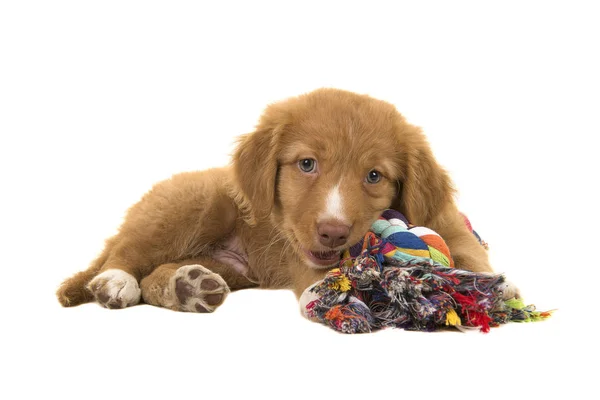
307 184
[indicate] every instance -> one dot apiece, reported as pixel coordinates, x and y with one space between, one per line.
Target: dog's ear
255 170
425 190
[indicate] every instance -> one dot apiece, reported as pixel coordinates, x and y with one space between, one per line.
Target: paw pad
198 289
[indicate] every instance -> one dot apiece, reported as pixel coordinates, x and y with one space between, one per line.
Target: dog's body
307 184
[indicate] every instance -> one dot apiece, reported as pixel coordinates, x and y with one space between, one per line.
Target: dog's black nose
333 234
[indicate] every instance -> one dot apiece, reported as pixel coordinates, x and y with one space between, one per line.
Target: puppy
303 187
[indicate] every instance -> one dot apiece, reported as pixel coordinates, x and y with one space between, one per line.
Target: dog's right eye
307 165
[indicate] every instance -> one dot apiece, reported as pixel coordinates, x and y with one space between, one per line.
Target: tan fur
267 203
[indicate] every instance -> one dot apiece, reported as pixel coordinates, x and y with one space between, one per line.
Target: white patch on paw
115 288
306 297
509 290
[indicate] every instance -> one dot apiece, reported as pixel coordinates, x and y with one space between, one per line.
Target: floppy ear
255 170
425 189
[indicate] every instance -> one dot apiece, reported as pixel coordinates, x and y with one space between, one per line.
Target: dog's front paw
509 290
306 298
115 288
198 289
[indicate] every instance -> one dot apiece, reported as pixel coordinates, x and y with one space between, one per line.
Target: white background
100 100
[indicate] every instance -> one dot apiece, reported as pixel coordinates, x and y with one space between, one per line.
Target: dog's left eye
373 176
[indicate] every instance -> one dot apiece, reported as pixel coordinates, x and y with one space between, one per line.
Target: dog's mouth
323 259
317 258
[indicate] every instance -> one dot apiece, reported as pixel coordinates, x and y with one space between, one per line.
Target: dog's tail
73 291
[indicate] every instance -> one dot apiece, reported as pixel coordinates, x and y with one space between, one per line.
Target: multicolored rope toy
402 276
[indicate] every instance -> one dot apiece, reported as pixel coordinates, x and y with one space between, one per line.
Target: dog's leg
467 252
197 285
304 279
189 215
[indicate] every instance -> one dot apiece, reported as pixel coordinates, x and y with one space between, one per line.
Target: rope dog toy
403 276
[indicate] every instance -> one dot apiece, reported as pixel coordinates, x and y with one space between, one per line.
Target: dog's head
323 166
